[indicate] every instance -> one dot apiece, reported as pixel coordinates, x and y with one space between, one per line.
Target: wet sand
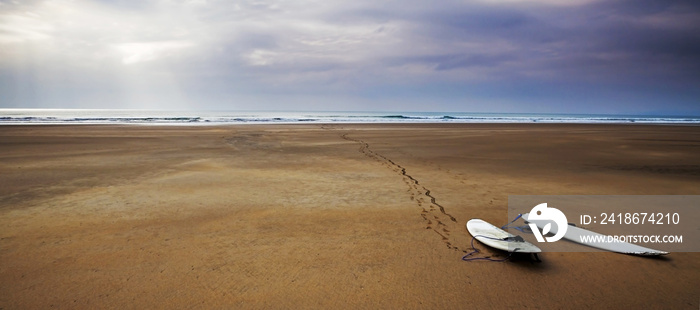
332 216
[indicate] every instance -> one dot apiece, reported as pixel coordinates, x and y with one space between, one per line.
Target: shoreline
322 215
223 118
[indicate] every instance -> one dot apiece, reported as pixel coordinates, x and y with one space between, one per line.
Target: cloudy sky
556 56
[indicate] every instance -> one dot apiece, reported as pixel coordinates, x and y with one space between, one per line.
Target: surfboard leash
523 229
468 259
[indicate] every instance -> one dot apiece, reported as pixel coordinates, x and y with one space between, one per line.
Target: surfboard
498 238
576 234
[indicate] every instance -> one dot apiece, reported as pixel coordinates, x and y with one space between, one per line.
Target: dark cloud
454 61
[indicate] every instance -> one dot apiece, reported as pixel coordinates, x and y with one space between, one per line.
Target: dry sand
322 216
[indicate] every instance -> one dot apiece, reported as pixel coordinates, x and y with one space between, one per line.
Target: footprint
443 236
416 191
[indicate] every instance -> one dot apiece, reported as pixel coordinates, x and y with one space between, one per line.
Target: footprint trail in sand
434 214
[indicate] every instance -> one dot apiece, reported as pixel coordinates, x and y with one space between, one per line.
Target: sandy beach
323 216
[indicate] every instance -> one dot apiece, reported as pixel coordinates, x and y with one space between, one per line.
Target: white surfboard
498 238
575 234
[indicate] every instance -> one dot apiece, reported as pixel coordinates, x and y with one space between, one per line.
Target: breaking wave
39 116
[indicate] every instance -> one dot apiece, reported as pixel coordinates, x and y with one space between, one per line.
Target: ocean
83 116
